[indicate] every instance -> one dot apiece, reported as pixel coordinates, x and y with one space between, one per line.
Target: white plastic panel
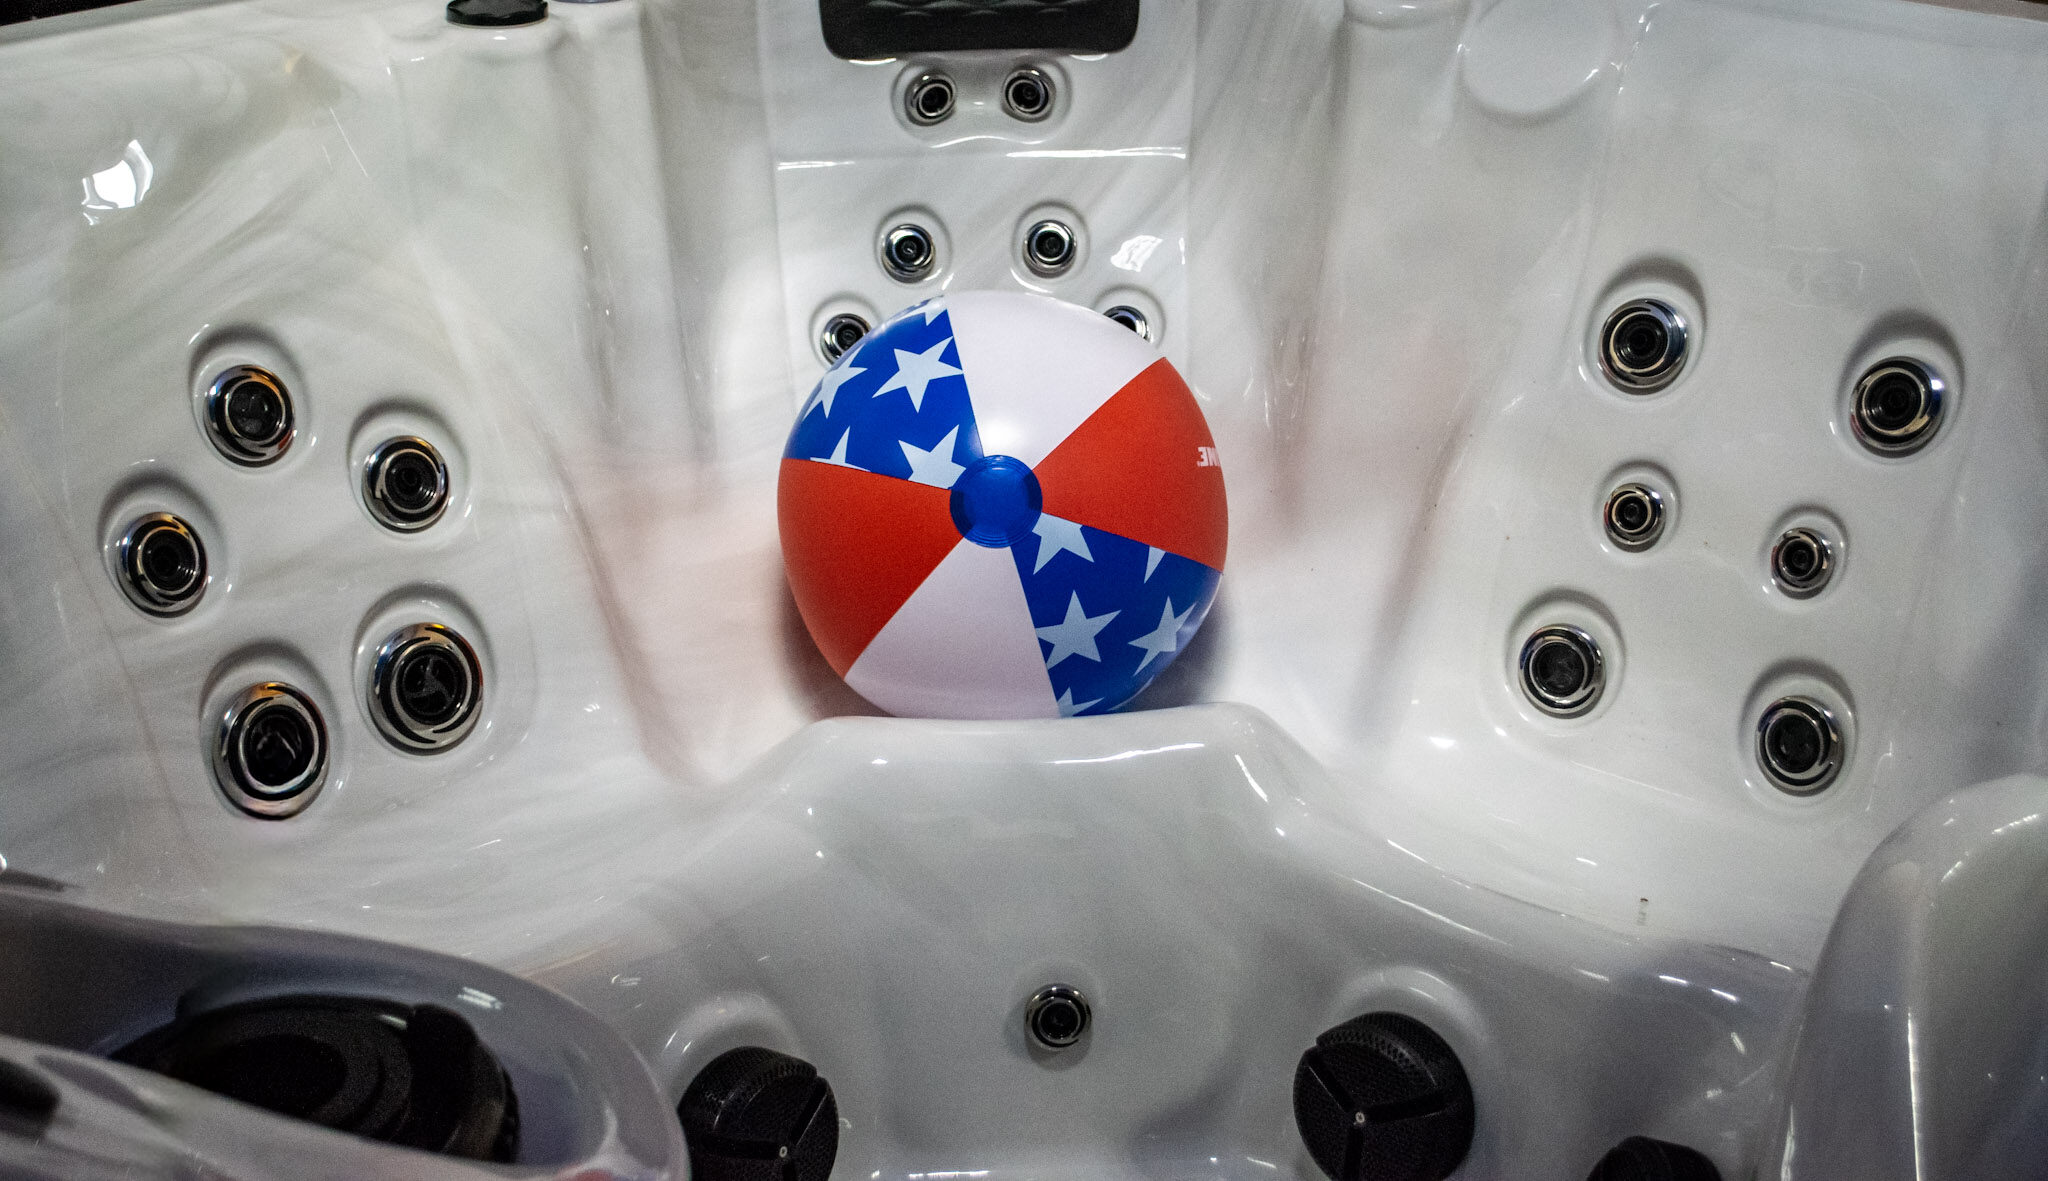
1111 161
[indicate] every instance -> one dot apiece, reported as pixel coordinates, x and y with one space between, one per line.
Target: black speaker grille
858 29
1383 1098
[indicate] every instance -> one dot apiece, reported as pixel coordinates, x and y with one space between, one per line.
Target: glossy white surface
578 257
886 902
1922 1048
1922 1051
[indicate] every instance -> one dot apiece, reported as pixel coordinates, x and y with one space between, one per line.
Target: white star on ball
915 371
1055 535
1164 638
1075 635
838 456
936 466
828 385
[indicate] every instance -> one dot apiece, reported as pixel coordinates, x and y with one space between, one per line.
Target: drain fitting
1056 1016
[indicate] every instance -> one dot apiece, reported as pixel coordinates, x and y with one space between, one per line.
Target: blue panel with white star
1111 613
895 404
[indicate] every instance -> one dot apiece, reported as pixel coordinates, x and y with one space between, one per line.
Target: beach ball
999 505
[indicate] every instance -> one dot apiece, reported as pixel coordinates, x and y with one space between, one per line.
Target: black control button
755 1115
496 14
1640 1158
1382 1098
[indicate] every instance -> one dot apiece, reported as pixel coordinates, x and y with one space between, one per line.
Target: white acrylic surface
589 259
